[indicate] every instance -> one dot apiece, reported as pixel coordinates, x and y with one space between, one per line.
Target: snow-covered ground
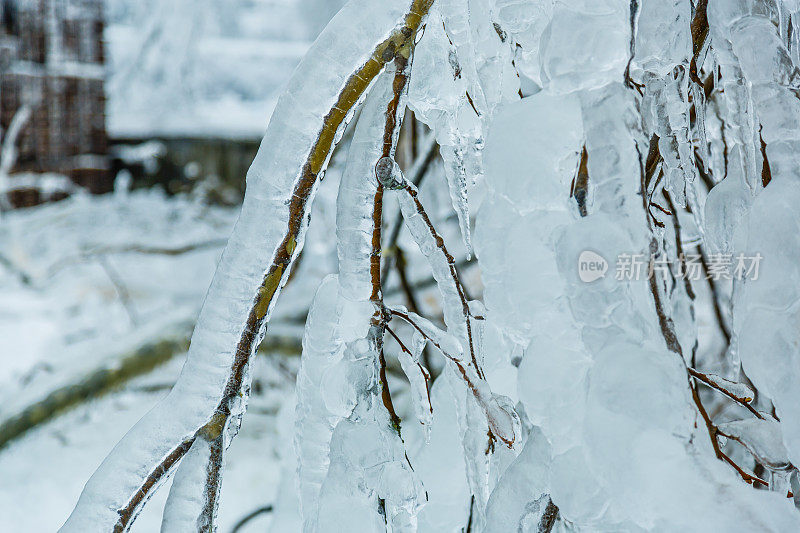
97 271
85 283
44 472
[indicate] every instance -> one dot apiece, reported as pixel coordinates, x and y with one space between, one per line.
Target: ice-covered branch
738 392
212 391
355 398
750 42
501 423
457 314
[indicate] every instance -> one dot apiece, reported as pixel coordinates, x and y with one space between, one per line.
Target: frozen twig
118 506
727 388
666 323
250 516
549 518
500 422
431 244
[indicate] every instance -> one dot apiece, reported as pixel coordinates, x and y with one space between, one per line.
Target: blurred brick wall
52 59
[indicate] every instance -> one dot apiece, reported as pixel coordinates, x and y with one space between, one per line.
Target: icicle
511 509
443 103
671 122
455 163
351 389
737 112
322 349
699 101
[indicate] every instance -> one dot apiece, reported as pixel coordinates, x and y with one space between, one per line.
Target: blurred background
126 130
165 91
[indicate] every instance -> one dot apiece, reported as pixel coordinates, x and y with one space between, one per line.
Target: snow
70 307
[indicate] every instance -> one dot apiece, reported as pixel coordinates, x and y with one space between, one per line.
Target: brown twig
634 12
707 381
713 431
699 29
549 517
471 510
390 135
405 349
410 321
250 516
748 478
715 298
128 512
132 248
766 173
453 270
418 172
399 341
676 225
462 369
411 299
580 185
156 250
213 480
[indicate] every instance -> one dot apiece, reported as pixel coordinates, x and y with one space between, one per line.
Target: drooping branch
288 199
394 114
454 300
666 324
393 121
499 421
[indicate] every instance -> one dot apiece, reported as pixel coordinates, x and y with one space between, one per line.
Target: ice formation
308 119
620 153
